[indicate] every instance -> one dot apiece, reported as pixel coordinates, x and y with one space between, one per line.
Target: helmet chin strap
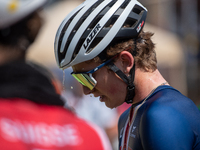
127 79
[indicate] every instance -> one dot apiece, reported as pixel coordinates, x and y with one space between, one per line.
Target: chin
109 105
112 105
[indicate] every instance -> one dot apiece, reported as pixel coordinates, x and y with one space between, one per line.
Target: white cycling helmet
12 11
93 25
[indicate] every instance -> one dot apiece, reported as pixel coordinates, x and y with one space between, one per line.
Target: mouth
101 98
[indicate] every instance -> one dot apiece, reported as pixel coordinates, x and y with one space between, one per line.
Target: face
109 88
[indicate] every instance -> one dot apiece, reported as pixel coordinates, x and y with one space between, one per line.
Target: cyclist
114 59
32 115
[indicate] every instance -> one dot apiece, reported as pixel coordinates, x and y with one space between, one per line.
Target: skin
108 84
111 89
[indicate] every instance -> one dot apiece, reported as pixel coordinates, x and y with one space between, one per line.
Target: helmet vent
101 14
91 26
114 18
137 9
61 56
125 4
134 16
109 23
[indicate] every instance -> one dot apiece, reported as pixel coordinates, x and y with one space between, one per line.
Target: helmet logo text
140 26
91 36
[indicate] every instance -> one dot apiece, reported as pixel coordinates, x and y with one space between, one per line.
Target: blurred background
176 28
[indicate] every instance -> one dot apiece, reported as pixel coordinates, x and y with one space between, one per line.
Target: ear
125 62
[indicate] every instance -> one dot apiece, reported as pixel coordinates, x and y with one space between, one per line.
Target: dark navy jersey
167 120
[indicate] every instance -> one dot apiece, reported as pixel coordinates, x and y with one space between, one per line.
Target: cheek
114 89
116 95
110 85
116 86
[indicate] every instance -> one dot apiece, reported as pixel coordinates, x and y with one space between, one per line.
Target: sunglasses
86 78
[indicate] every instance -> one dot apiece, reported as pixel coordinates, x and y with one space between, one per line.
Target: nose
86 90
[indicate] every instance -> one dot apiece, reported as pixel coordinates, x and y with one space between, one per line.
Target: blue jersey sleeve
164 128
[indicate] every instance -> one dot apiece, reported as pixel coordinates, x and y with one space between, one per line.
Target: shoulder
165 107
163 116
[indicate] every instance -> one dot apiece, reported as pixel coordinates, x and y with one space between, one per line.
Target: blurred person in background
115 59
32 113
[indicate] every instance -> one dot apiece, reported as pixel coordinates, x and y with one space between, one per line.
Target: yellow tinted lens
85 80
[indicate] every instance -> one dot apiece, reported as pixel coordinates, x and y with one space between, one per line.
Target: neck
146 82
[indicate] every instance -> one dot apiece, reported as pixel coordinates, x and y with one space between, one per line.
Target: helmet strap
127 79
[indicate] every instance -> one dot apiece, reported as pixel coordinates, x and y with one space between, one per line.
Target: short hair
142 48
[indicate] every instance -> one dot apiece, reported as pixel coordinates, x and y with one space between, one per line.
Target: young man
114 59
32 115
